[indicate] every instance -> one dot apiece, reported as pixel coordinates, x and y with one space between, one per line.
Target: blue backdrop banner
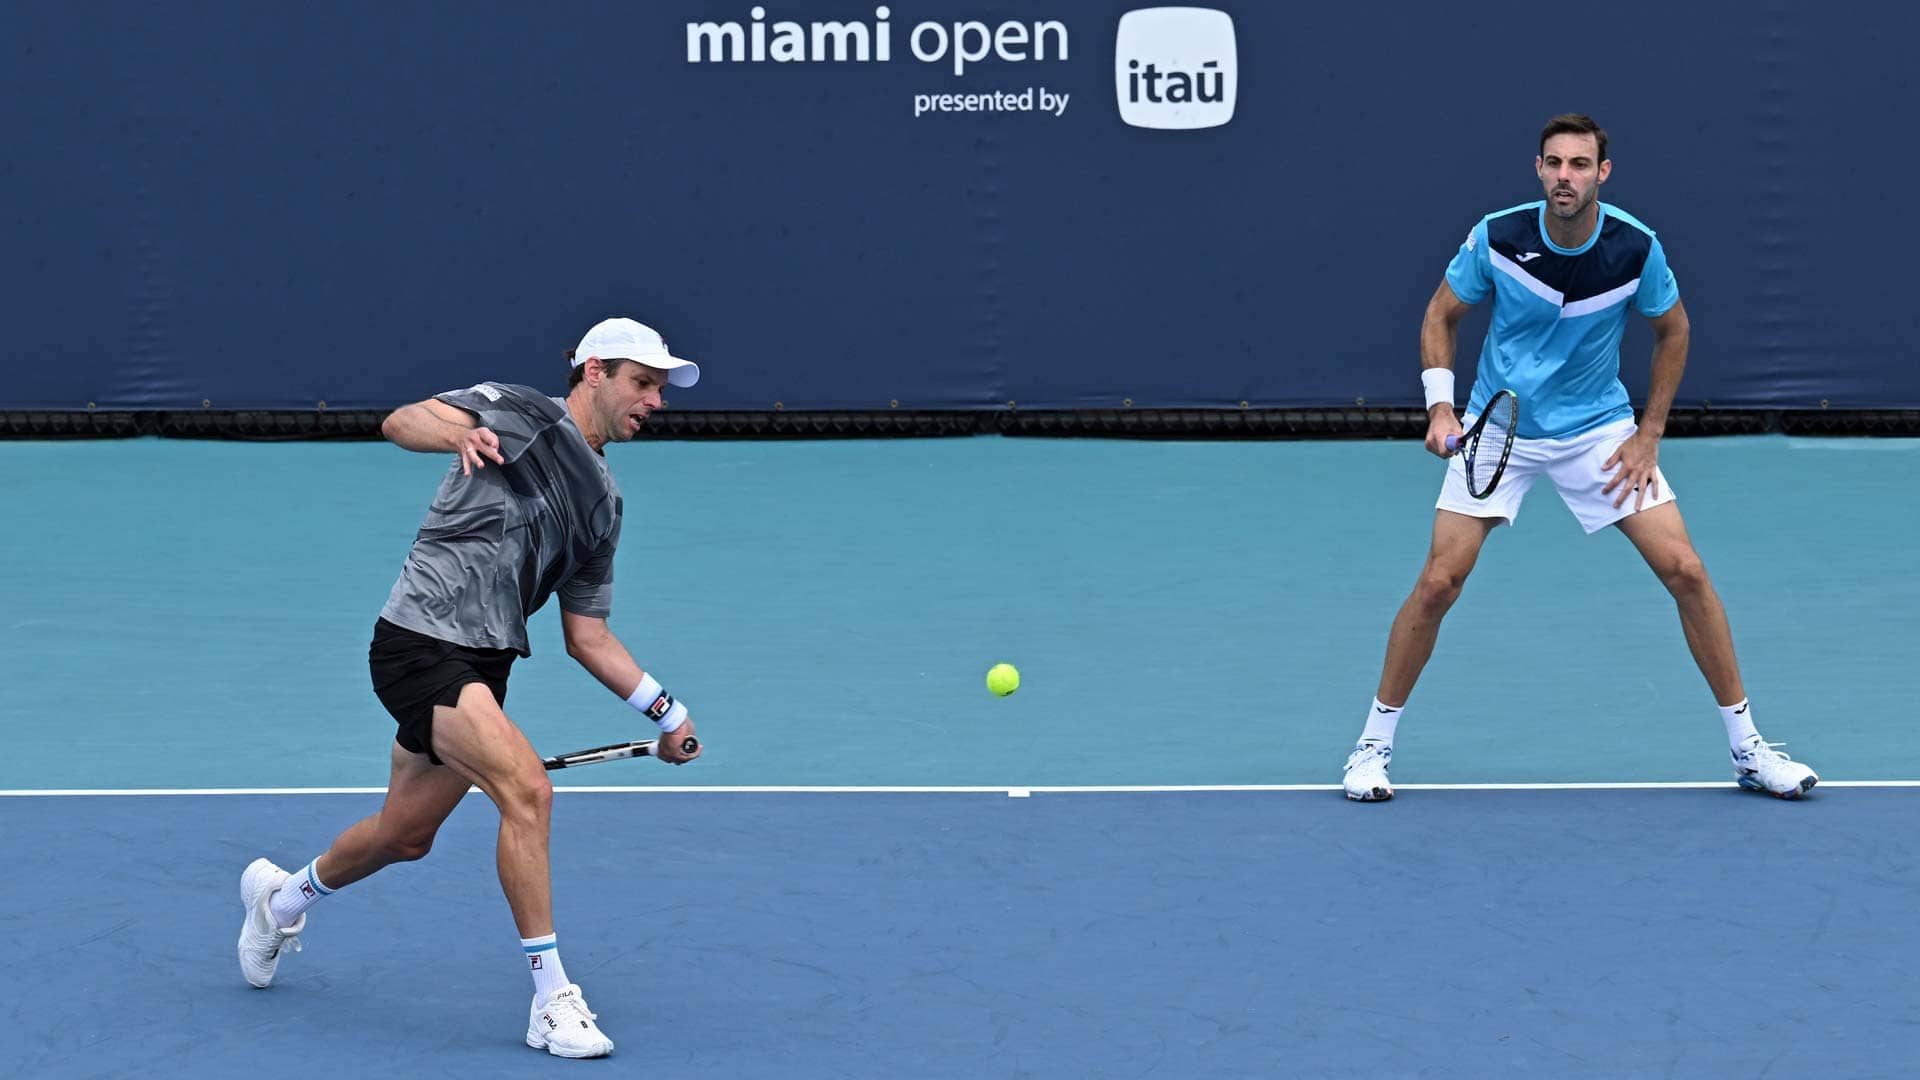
953 204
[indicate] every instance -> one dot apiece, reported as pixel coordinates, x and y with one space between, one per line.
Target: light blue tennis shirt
1558 314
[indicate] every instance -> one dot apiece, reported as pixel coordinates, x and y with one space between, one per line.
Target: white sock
1739 720
302 891
543 959
1381 720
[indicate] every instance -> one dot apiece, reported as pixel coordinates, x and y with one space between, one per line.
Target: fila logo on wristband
657 705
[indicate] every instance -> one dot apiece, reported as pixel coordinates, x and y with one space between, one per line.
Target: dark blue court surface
1694 933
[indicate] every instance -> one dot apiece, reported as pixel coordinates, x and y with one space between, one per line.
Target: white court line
996 790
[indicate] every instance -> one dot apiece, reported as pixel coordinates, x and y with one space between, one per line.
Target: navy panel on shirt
1559 314
1607 262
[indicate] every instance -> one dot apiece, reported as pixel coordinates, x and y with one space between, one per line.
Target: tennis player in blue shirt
1562 275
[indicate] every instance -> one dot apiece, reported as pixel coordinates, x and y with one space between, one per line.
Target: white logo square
1175 67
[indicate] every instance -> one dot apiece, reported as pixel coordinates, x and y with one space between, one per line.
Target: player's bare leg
1457 540
420 798
1660 534
477 740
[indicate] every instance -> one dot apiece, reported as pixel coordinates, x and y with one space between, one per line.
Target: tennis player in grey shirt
528 509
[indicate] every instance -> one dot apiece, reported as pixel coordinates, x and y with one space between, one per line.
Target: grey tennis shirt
495 545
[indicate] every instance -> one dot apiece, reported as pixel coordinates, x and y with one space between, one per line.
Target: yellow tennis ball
1003 679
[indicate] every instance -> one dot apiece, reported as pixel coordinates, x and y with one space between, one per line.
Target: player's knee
528 796
1439 585
1684 574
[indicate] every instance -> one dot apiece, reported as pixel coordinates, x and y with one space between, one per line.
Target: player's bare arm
1439 332
1637 458
591 643
434 427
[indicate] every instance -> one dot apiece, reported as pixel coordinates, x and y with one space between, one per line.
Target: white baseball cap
624 339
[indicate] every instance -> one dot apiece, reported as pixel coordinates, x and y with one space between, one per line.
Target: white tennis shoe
1366 779
1759 767
261 942
564 1026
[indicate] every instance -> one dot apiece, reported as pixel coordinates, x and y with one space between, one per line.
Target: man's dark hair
580 370
1574 124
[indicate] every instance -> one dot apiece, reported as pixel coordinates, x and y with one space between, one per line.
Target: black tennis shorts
413 672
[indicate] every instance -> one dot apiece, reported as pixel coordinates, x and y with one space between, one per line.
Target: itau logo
1175 67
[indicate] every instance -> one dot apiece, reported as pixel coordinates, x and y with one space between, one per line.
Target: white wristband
657 705
1439 384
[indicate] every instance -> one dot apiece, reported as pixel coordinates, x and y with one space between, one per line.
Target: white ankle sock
1381 720
302 891
543 959
1739 720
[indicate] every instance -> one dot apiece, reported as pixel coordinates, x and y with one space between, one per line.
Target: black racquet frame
1469 442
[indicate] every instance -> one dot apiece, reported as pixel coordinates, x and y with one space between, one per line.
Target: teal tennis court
843 885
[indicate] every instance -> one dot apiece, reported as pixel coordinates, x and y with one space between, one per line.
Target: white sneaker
564 1027
260 940
1367 772
1759 767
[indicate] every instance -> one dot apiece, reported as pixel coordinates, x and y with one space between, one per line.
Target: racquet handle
1453 442
689 745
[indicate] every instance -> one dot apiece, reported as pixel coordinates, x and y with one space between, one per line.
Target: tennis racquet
615 752
1488 442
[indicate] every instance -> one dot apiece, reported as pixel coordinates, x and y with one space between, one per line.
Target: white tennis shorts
1574 466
